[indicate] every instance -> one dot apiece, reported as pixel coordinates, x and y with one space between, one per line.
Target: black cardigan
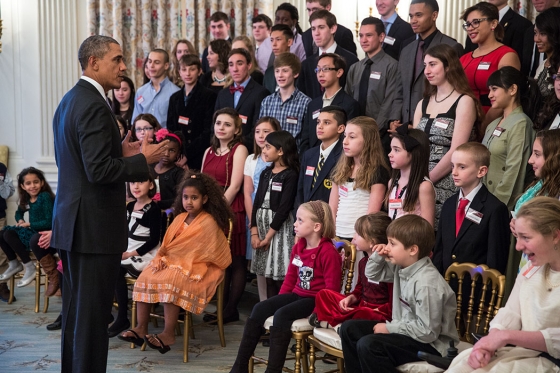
281 202
151 219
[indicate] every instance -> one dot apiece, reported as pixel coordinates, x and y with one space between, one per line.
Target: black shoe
5 293
115 330
313 321
56 325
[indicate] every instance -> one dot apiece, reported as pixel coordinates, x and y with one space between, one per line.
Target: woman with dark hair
547 38
144 124
218 52
145 71
449 114
484 29
509 138
549 115
123 100
182 47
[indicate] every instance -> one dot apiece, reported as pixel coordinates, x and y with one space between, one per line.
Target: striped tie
317 170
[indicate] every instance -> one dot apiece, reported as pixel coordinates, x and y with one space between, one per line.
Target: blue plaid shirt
289 113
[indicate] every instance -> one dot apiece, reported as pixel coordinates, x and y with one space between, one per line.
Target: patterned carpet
27 346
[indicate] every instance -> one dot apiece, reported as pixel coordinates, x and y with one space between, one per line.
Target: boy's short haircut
162 51
379 26
479 153
323 14
190 60
411 230
290 60
338 62
262 18
242 52
323 3
219 16
432 4
338 113
285 29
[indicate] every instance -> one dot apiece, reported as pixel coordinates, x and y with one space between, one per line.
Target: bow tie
233 89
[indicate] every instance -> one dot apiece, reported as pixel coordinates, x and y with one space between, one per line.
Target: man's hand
153 152
130 148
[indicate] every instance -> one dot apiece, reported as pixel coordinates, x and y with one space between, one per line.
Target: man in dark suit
343 36
514 26
330 68
191 110
244 95
314 181
219 28
474 224
323 27
89 217
397 30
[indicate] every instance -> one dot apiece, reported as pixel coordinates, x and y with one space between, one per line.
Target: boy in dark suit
474 224
314 176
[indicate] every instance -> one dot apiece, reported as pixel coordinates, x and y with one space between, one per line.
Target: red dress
374 301
221 168
479 69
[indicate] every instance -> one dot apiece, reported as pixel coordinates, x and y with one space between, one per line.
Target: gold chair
301 329
38 275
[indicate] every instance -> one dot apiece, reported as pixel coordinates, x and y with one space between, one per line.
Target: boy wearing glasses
323 28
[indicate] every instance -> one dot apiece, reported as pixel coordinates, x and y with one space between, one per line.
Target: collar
376 57
429 39
244 84
472 194
279 95
332 97
406 273
96 85
503 12
325 153
330 49
391 19
163 83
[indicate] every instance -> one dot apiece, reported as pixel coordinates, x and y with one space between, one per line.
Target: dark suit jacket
515 27
322 188
89 210
529 50
343 37
269 80
249 105
307 81
199 111
413 84
484 243
308 131
402 32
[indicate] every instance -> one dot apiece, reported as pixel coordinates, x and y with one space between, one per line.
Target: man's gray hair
96 46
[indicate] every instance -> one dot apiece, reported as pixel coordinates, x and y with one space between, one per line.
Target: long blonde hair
321 213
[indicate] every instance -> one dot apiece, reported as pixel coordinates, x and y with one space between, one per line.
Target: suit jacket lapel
246 93
307 181
507 18
477 204
329 163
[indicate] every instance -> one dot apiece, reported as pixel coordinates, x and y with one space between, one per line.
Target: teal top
40 212
527 196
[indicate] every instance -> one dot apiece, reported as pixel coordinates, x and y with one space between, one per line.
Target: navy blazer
343 37
89 211
484 243
322 189
249 105
402 32
199 111
309 129
307 81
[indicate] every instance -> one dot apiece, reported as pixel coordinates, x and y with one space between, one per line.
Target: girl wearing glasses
483 28
144 124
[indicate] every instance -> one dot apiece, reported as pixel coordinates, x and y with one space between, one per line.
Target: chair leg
297 365
251 365
133 317
12 286
340 365
186 328
311 358
220 313
191 327
37 286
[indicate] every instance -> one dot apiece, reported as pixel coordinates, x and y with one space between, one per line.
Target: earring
556 247
493 28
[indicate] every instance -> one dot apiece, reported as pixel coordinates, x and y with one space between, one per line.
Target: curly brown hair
550 174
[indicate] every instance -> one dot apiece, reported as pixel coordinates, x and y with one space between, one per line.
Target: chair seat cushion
328 336
300 325
424 367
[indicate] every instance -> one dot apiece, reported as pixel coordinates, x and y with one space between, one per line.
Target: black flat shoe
56 325
213 320
162 348
136 339
115 330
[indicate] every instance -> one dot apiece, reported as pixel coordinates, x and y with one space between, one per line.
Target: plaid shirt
289 113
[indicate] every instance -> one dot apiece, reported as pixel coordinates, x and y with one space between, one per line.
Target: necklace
446 97
548 284
223 151
215 78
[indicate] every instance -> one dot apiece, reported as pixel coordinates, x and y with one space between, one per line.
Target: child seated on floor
370 300
424 306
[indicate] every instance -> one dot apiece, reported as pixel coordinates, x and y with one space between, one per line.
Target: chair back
230 232
348 252
487 287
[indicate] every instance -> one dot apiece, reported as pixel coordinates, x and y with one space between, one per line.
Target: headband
409 141
163 133
317 208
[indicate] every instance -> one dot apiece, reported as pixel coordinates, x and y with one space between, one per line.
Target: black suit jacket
308 131
515 27
269 80
484 243
249 105
89 211
528 63
199 111
322 189
343 37
402 32
307 81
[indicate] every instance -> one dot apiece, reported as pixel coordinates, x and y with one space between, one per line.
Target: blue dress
261 165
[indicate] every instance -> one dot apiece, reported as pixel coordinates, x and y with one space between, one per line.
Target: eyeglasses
474 23
144 129
325 69
556 77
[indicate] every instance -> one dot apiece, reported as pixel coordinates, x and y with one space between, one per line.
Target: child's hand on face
380 249
380 328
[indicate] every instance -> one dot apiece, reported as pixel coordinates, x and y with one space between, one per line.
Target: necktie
317 170
419 66
315 48
364 83
385 24
460 215
233 89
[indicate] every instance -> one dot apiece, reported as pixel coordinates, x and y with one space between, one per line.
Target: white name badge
474 216
291 120
395 204
297 261
375 75
342 191
441 123
140 99
243 119
498 131
389 40
184 120
137 214
556 122
309 171
373 282
316 114
529 272
277 187
484 66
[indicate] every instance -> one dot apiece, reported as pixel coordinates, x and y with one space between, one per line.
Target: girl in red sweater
314 265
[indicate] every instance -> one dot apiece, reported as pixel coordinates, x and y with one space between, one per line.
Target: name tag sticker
297 261
291 120
498 131
441 123
316 114
395 204
184 120
375 75
529 272
309 171
389 40
277 187
137 214
342 191
484 66
243 118
140 99
405 305
474 216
